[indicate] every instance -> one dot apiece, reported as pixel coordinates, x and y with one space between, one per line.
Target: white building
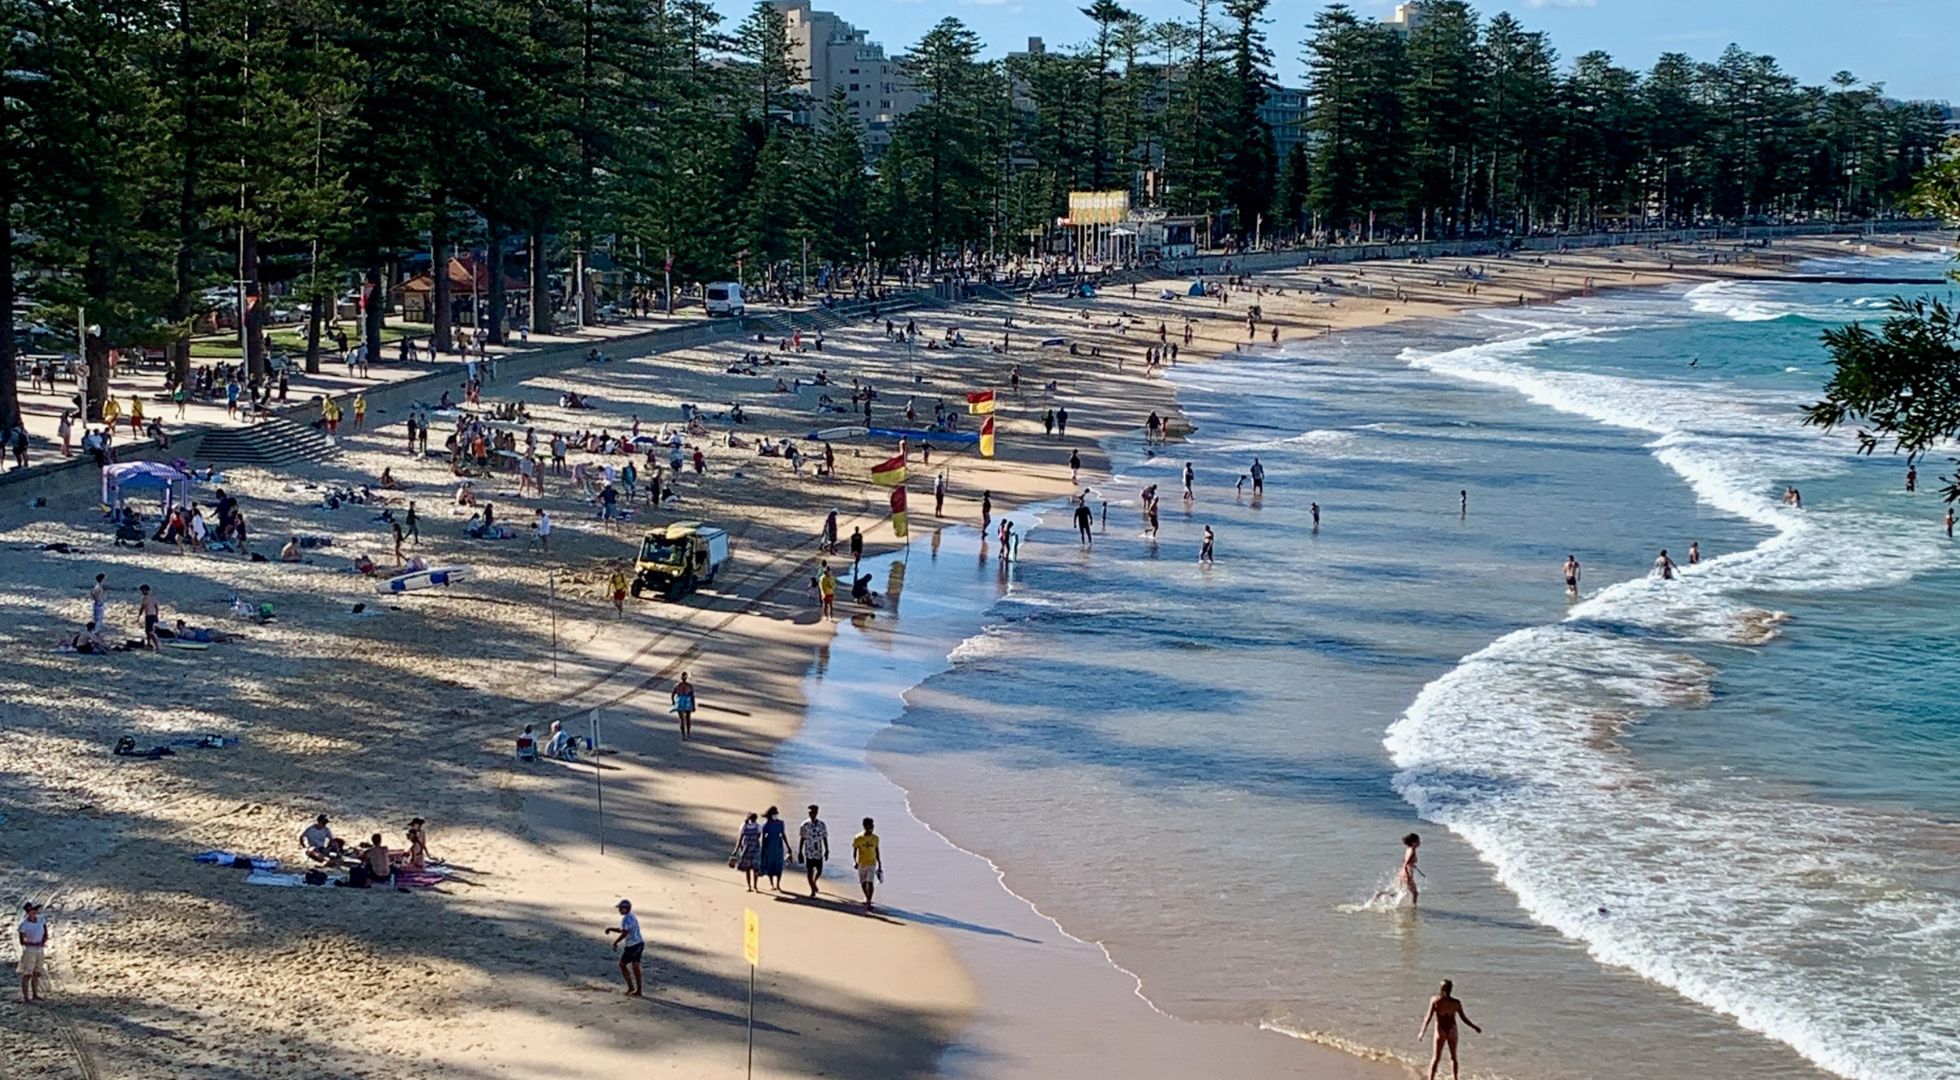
1406 18
831 55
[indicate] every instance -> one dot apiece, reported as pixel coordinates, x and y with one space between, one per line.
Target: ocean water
1695 827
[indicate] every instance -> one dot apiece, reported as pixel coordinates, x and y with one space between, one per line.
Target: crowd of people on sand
370 863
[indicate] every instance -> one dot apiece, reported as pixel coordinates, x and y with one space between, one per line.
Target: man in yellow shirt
870 867
360 411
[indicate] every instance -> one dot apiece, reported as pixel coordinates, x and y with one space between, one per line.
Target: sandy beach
163 966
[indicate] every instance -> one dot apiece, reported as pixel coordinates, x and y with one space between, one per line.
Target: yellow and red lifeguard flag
898 513
980 402
987 438
889 473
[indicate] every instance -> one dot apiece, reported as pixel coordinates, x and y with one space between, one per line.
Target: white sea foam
1769 910
1747 301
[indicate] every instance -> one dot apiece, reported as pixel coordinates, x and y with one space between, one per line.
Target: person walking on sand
630 946
748 851
775 848
412 525
869 861
986 512
1571 576
616 584
1048 423
543 530
1074 466
151 613
939 496
1061 423
1444 1011
826 592
683 702
857 546
1664 566
813 847
33 932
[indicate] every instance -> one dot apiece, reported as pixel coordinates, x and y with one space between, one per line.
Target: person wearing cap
630 945
813 847
33 951
319 842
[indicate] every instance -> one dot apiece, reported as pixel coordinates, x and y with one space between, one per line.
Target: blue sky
1906 44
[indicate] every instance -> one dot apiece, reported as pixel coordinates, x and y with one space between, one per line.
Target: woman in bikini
1445 1010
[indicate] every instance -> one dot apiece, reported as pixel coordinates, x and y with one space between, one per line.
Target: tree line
158 147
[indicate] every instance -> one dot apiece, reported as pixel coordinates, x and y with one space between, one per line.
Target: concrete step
270 443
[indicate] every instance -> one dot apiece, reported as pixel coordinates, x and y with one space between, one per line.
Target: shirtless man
151 614
1664 566
1445 1010
1571 576
1694 552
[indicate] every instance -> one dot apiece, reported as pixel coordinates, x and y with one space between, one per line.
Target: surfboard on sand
424 579
846 432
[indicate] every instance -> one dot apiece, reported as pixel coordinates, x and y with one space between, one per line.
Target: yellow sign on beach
751 937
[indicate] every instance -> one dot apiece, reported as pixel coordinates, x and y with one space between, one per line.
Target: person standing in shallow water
1571 575
1444 1011
1664 566
1694 553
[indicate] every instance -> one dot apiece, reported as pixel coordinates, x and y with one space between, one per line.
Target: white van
725 298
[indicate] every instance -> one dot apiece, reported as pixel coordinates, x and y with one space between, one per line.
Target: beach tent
1197 288
144 477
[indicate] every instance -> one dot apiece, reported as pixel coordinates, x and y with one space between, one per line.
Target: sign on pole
752 952
598 778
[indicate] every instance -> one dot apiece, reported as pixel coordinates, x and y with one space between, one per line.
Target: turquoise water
1708 823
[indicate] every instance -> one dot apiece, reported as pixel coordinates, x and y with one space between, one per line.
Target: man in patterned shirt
813 846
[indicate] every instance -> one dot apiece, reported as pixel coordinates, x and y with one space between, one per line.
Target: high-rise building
1285 112
831 54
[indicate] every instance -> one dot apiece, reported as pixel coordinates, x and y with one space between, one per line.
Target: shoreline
419 700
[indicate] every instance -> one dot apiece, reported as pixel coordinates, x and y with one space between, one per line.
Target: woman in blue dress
775 848
748 849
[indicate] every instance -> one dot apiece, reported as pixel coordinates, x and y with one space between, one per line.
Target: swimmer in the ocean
1949 523
1572 575
1664 566
1694 553
1445 1010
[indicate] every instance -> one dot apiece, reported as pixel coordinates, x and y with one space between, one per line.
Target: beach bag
316 877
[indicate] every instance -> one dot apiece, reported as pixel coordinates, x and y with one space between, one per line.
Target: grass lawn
292 339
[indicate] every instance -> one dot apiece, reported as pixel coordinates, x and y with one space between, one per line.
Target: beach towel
226 858
269 877
417 879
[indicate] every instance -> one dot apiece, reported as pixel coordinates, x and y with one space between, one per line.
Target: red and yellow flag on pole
889 473
898 513
987 438
980 402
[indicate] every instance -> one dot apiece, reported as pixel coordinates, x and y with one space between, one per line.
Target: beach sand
167 967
